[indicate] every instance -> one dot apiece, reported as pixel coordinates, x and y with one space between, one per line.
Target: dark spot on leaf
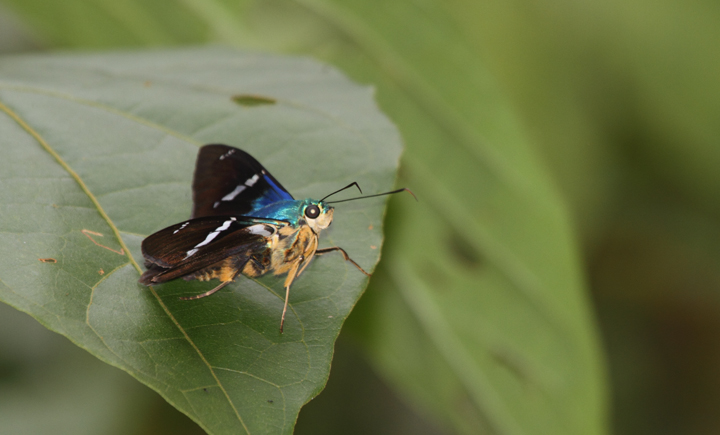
464 252
253 100
205 390
48 260
270 401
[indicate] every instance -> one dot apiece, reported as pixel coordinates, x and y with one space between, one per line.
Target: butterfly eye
312 211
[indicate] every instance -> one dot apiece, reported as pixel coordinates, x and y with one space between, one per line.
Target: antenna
354 183
404 189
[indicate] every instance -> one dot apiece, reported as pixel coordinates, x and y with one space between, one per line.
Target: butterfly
243 221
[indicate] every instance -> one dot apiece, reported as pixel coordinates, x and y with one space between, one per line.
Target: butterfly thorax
292 245
316 214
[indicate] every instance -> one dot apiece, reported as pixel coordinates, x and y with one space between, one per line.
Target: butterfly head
317 214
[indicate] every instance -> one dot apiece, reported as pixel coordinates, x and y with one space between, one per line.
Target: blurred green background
620 102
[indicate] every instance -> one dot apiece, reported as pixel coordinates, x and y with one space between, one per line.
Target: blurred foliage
621 101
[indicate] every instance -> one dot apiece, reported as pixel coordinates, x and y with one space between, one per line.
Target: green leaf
480 315
98 152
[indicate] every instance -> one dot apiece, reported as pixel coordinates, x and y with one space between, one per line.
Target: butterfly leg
207 293
287 297
288 282
344 254
226 275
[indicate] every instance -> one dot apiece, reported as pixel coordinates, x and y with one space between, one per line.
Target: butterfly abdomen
224 270
258 265
252 264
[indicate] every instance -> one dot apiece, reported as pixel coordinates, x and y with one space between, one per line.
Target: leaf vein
115 231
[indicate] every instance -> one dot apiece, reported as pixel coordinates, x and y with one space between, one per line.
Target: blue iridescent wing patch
230 182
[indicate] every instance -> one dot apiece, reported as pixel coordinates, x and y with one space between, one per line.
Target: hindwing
188 247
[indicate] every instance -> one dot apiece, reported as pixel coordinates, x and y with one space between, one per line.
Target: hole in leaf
249 100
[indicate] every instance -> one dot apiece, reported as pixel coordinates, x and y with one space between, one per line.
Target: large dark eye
312 211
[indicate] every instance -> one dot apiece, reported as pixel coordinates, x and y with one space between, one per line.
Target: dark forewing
230 182
189 246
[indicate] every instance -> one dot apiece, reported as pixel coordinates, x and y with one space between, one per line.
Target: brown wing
190 246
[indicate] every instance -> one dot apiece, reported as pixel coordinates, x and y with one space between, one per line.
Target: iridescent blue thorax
289 210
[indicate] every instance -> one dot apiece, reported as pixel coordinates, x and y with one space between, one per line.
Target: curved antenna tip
410 192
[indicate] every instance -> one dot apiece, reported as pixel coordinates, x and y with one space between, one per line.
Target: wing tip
151 276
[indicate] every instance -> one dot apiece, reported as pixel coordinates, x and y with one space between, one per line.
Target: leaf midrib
25 126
